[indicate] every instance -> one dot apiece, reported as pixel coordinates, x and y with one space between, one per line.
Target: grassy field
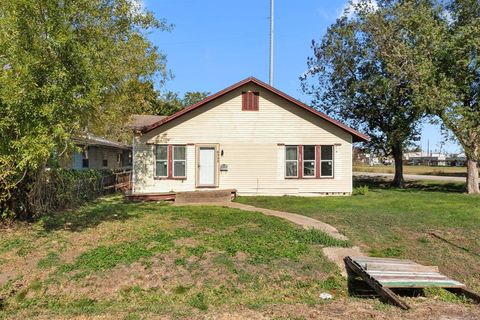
399 223
116 260
134 261
422 170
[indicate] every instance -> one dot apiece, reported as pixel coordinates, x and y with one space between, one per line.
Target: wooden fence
118 181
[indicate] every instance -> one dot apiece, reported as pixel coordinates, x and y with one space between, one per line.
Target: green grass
390 222
152 258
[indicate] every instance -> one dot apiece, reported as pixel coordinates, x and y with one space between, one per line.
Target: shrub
360 191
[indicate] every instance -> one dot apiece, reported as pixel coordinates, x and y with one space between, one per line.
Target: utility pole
271 43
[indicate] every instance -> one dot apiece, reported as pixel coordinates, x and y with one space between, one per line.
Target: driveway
411 176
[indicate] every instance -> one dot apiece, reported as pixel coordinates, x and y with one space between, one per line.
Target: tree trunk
472 176
397 151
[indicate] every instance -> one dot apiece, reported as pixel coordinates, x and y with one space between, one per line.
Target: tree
66 67
171 102
458 72
366 72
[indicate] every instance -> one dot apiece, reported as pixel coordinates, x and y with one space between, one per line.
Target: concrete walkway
306 222
335 254
411 176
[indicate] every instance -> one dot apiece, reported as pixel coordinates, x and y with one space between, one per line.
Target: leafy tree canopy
67 67
366 71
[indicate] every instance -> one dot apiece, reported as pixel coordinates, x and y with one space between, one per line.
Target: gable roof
357 136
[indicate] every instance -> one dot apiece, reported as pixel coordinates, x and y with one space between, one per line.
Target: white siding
250 143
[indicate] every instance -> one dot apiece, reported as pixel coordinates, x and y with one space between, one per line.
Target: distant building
423 158
457 160
361 157
99 153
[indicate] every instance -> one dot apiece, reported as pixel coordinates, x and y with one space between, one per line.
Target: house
250 137
425 158
99 153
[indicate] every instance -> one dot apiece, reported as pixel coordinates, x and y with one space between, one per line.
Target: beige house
250 137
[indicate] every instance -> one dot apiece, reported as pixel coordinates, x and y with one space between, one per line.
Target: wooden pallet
384 274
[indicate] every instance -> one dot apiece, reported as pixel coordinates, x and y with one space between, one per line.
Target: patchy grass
389 222
153 258
422 170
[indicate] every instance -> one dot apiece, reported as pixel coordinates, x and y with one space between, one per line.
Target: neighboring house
250 137
99 153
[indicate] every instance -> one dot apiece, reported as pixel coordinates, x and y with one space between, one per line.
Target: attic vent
250 101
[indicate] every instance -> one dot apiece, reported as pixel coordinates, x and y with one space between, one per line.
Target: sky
216 43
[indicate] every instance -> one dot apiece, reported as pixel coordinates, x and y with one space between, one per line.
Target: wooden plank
465 292
420 285
382 260
399 267
386 293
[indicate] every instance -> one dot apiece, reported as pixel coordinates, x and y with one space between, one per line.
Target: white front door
206 166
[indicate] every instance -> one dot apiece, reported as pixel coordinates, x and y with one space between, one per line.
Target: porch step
225 195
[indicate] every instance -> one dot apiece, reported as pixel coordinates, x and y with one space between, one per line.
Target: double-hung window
309 161
171 161
291 161
161 168
179 161
326 161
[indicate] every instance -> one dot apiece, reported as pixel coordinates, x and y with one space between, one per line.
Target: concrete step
205 196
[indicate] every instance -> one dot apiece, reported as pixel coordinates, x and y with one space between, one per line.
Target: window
309 161
119 160
104 159
179 161
161 168
291 161
326 161
250 101
85 163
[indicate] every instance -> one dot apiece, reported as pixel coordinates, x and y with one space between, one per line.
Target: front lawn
116 260
138 260
399 223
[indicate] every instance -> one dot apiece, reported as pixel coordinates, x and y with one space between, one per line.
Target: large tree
66 67
171 102
366 72
458 72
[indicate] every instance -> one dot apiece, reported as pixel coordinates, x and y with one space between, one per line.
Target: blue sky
216 43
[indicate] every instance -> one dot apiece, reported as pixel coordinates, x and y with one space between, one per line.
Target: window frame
314 162
85 159
173 161
322 176
161 160
295 161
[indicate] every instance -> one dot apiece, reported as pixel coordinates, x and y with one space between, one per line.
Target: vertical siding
250 143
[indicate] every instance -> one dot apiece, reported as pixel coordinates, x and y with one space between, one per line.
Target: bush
360 191
53 189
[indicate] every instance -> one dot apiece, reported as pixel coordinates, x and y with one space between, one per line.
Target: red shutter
250 101
255 98
317 162
300 161
170 162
